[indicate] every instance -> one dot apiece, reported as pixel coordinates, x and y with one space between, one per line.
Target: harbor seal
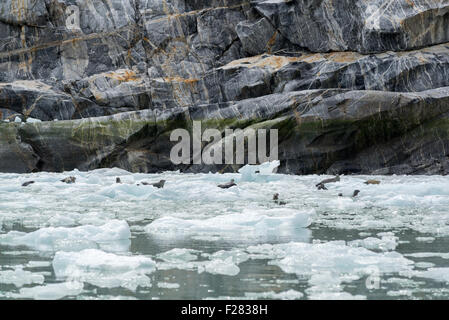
372 182
118 180
227 185
322 185
27 183
277 201
356 192
158 185
69 180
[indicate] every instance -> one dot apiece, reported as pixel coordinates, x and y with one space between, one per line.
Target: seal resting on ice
227 185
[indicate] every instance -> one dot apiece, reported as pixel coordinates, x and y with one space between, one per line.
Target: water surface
96 239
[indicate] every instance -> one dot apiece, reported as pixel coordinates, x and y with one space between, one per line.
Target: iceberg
251 223
106 270
259 172
114 235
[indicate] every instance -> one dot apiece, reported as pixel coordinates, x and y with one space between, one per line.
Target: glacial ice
242 223
106 270
329 265
178 255
167 285
221 262
224 267
285 295
260 173
248 224
77 238
52 291
19 277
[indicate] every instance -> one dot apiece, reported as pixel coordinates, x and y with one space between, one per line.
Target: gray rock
352 86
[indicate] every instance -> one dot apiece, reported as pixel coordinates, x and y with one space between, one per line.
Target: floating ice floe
38 264
329 265
178 255
424 265
113 235
387 242
221 262
284 295
436 274
106 270
219 266
19 277
442 255
53 291
259 173
254 224
425 239
168 285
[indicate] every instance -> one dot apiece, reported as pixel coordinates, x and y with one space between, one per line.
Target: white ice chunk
167 285
386 243
178 255
284 295
425 239
77 238
38 264
221 262
330 264
106 270
258 172
437 274
19 277
52 291
223 267
248 224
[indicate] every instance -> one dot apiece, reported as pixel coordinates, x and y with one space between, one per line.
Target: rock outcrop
353 86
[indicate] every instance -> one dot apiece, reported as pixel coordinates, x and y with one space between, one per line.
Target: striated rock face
353 86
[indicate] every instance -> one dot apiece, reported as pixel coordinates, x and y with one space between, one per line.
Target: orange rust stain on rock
343 57
179 79
314 57
123 76
410 2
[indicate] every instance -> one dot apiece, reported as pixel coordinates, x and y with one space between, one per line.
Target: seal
69 180
277 201
227 185
322 185
372 182
356 192
158 185
27 183
118 180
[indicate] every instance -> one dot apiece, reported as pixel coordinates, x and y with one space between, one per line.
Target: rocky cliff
353 86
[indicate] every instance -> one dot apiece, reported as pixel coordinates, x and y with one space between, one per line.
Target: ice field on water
96 239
